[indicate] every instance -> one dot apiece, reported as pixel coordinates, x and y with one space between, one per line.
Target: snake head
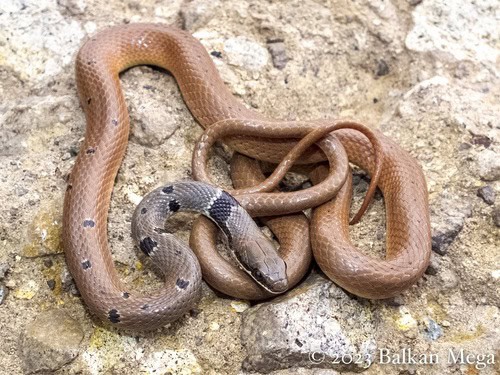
259 258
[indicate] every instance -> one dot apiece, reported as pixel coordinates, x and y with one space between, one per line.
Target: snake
329 146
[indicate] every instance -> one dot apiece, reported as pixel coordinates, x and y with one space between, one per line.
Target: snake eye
257 275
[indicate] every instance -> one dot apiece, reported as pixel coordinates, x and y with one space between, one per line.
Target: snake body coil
87 199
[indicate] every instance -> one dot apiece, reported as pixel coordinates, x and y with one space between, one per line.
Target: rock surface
310 327
3 292
424 73
49 342
449 216
487 194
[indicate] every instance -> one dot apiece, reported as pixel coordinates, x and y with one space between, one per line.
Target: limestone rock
308 327
278 53
488 163
487 194
447 221
442 29
50 341
246 53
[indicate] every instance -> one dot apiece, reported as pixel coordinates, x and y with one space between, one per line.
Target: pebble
432 329
68 284
318 317
395 301
405 322
214 326
382 68
21 191
27 291
195 14
246 53
4 268
447 221
488 162
149 130
4 291
433 267
487 194
66 156
240 306
496 216
449 279
278 54
49 342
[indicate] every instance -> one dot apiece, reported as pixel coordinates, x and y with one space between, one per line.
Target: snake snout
279 286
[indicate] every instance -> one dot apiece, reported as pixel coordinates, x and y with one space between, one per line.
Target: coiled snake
87 199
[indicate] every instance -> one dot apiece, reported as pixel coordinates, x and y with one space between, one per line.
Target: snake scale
254 137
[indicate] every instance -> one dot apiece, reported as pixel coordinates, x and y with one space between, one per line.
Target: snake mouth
278 287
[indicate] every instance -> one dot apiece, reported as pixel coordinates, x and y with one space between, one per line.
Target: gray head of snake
259 258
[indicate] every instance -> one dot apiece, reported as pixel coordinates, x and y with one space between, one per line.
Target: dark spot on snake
69 187
125 295
168 189
144 210
160 230
90 150
114 122
181 283
226 231
89 100
88 223
113 316
147 245
173 205
144 307
216 54
221 208
177 252
86 265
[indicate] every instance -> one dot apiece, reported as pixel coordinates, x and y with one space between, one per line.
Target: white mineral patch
460 28
246 53
179 362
